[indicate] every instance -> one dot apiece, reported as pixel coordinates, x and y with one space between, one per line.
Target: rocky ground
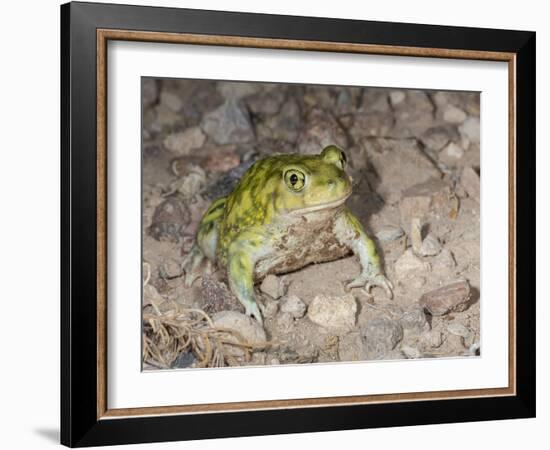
414 158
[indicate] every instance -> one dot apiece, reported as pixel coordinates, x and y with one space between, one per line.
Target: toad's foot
191 266
367 281
251 309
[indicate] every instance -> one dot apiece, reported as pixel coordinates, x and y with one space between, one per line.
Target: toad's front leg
242 256
350 232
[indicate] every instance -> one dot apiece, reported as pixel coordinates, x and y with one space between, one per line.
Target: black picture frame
80 424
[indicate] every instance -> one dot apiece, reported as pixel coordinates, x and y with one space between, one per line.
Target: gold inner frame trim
103 36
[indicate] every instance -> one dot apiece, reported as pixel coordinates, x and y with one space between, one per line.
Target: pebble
171 101
449 298
182 142
389 233
451 154
270 308
433 339
411 352
222 160
294 306
184 360
458 330
470 129
454 115
436 138
170 220
352 347
273 286
414 319
399 163
409 264
470 182
250 329
171 269
321 129
397 97
217 297
418 200
381 335
338 313
228 124
284 322
445 260
430 246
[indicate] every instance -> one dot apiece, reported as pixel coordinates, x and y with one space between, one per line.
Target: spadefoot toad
286 212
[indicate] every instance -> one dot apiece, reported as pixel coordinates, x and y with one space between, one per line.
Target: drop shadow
49 434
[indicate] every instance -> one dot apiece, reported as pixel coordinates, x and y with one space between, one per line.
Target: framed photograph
277 224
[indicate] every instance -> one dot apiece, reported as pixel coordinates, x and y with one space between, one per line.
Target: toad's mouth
322 206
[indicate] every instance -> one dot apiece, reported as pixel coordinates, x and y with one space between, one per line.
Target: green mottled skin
268 226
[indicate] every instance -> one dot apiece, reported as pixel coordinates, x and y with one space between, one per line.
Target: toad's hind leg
205 244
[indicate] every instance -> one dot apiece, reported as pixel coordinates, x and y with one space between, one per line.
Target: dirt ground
414 158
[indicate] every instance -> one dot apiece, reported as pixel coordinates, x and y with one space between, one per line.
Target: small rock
245 327
399 163
258 359
284 322
381 335
283 126
375 100
397 97
389 233
182 142
235 90
453 297
217 297
268 102
274 361
436 138
171 101
445 260
170 220
270 308
352 347
409 264
418 200
458 330
228 124
371 125
470 182
470 129
454 115
184 360
414 320
451 154
191 184
411 352
294 306
433 339
222 161
171 269
320 130
273 286
333 312
430 246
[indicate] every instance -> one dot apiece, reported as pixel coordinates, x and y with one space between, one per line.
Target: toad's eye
295 179
334 155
